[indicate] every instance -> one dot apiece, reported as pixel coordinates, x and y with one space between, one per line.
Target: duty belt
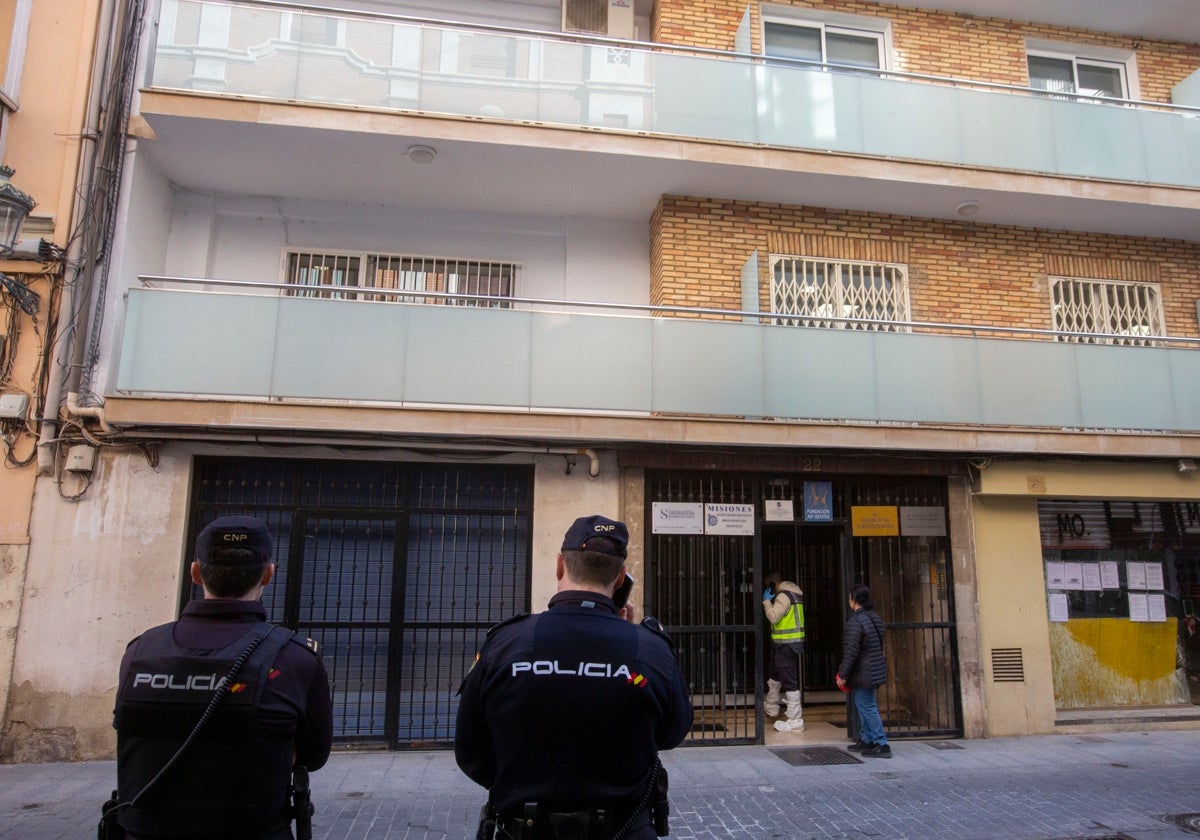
542 824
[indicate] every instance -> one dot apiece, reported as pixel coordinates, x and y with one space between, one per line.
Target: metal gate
707 590
398 570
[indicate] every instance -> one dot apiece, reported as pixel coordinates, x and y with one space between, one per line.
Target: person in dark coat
564 712
864 668
232 780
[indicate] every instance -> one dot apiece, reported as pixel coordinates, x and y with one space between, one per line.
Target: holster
487 822
108 828
660 805
302 807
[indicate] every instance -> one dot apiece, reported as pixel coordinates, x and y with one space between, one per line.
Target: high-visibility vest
790 626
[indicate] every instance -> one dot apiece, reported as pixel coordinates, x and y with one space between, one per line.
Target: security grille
706 590
823 290
397 570
1129 312
702 589
345 276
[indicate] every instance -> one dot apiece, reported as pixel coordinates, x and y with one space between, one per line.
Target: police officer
783 606
232 781
563 714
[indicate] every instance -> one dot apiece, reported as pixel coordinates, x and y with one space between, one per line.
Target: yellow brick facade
959 273
934 43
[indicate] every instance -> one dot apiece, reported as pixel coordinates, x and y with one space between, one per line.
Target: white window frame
1124 60
879 28
1106 327
835 295
358 286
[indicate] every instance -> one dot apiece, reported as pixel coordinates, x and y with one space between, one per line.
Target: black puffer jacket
864 664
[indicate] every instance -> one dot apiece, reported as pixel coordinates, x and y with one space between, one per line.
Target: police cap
583 529
244 532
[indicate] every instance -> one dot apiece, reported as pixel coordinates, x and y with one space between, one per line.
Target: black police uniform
568 709
232 781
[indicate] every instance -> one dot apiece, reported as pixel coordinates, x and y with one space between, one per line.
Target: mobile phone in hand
621 596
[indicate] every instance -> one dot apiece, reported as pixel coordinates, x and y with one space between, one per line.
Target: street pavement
1139 785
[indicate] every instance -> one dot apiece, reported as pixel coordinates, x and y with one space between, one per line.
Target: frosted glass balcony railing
394 63
268 346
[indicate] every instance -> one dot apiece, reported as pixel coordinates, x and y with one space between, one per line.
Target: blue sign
818 501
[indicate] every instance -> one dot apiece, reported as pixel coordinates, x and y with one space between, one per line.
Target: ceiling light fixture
967 208
421 153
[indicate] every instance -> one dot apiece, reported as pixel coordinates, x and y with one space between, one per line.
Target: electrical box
13 406
81 458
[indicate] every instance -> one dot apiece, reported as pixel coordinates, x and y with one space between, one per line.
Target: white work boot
794 716
771 701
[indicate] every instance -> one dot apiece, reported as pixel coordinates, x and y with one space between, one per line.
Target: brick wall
934 43
958 272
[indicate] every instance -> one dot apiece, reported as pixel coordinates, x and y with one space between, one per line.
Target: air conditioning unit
610 18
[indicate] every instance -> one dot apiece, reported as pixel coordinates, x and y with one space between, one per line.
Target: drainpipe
69 327
74 409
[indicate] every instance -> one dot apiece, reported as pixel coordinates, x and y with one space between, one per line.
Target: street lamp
15 205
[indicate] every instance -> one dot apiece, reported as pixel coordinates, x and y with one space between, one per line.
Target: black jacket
569 708
232 781
864 663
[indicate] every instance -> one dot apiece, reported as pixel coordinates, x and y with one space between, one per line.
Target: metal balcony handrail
655 46
653 310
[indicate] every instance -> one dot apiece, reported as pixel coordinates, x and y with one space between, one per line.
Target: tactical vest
790 627
234 777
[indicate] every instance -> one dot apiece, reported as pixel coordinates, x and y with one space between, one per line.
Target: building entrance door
707 589
812 556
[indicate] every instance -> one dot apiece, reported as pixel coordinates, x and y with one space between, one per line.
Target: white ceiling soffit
505 178
1167 20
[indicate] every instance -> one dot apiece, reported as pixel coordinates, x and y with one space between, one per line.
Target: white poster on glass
1154 577
1074 576
1135 575
1157 606
1056 576
1091 577
1058 606
1110 575
1139 606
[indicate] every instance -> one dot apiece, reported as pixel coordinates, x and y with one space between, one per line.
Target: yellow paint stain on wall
1115 662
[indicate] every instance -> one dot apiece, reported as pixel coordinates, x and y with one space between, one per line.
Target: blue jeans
870 724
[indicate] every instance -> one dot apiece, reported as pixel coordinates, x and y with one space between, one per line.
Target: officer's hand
626 612
767 596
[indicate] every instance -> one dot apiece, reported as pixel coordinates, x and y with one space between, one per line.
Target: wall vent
611 18
1008 665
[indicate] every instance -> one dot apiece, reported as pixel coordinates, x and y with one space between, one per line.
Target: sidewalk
1112 786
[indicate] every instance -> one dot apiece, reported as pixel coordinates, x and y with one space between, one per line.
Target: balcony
389 63
258 342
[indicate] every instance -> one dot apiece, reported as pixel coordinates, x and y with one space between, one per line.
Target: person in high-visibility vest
783 605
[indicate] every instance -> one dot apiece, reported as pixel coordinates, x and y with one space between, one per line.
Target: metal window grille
823 290
325 272
329 275
1131 312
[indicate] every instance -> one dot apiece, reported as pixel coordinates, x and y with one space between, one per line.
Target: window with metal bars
347 276
1129 312
846 294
